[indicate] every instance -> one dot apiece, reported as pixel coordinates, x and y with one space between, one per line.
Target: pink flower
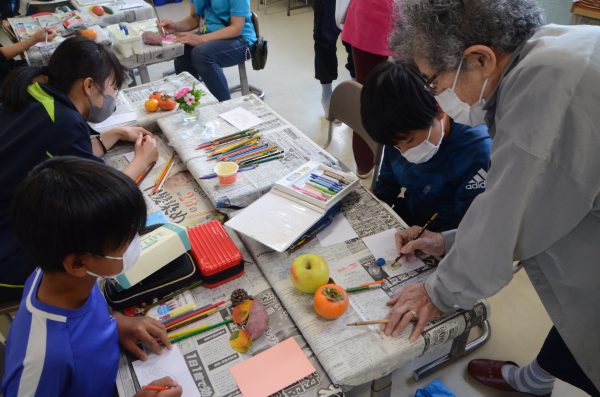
182 92
190 99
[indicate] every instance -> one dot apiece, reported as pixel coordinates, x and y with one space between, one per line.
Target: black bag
176 275
259 53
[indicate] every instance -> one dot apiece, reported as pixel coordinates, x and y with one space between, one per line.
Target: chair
345 107
244 87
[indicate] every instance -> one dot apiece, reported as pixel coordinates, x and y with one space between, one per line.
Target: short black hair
74 59
69 205
394 101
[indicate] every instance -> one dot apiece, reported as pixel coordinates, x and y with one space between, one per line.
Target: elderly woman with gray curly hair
538 89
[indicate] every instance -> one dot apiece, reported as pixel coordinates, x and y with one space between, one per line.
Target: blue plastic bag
435 389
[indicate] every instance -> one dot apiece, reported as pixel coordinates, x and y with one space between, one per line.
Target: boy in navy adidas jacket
430 164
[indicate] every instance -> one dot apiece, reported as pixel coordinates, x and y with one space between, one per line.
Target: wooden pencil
163 173
199 330
370 322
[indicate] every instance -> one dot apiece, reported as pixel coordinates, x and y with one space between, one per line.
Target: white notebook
293 205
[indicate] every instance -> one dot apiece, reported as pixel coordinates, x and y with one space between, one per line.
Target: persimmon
157 95
166 103
151 105
330 301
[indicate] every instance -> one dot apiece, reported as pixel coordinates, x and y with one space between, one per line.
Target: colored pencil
261 157
163 173
416 237
335 176
240 150
370 322
233 146
250 153
193 319
327 185
372 283
200 330
309 193
327 180
229 147
144 174
211 149
265 160
171 295
180 333
225 138
193 313
179 311
321 188
156 388
362 288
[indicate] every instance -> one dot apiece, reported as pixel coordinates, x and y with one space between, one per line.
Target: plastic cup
226 172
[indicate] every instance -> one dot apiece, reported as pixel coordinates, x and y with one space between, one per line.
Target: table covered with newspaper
250 185
353 356
209 356
131 102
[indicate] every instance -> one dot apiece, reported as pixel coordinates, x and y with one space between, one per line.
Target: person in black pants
325 34
8 8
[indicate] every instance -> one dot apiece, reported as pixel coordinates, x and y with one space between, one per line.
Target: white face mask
460 111
424 151
129 258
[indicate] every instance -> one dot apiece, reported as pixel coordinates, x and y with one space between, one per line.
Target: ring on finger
413 314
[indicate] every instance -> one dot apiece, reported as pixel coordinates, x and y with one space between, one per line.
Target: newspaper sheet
209 356
356 355
123 11
250 185
133 99
180 199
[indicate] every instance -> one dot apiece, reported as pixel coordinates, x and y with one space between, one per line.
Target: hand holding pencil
416 238
163 387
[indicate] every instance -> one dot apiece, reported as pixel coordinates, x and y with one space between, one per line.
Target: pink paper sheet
272 370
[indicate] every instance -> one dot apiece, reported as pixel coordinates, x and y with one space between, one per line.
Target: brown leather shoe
489 373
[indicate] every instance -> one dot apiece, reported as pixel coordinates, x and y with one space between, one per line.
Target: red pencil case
215 254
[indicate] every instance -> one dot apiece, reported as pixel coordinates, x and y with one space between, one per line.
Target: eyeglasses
429 83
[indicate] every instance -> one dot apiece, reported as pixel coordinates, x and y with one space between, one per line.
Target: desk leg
459 348
382 387
144 75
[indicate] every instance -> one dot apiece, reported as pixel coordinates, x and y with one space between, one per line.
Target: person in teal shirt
216 34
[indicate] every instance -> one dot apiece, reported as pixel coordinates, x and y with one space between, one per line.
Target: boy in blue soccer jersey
431 164
64 341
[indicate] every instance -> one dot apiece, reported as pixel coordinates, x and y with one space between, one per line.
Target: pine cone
238 296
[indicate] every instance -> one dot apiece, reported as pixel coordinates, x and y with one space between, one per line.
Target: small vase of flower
189 102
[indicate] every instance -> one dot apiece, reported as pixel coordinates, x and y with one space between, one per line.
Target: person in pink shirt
367 27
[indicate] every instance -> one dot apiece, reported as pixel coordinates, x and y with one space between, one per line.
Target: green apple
309 272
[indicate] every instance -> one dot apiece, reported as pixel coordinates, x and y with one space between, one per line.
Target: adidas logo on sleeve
478 181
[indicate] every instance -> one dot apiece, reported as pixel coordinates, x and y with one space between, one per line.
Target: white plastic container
127 44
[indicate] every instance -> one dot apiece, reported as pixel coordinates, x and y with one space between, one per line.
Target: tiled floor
519 321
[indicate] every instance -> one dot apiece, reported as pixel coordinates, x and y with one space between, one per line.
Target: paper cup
226 172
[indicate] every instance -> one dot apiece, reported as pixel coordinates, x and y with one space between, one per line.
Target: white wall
557 11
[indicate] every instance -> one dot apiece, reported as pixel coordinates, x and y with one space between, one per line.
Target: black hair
69 205
74 59
394 101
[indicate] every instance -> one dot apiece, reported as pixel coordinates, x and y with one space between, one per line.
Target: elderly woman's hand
411 304
429 243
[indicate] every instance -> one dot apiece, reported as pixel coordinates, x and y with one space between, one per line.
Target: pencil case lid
212 249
